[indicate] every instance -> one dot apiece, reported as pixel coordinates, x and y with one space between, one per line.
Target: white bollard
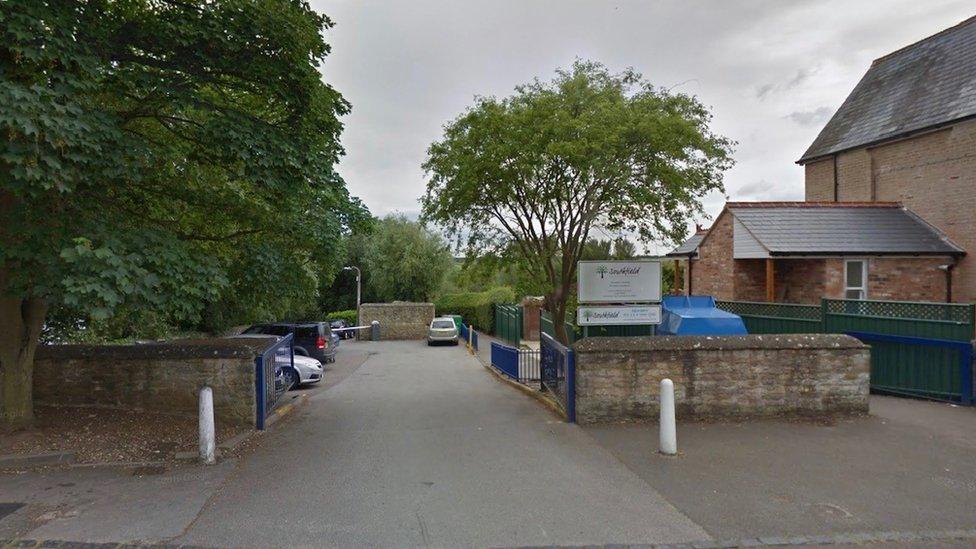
669 435
208 443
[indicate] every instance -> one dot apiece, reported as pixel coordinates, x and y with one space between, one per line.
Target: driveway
423 447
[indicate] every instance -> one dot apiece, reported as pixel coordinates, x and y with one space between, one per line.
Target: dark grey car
314 339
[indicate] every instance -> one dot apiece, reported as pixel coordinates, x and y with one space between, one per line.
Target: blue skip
697 315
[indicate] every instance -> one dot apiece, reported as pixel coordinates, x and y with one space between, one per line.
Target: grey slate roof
688 247
924 85
838 228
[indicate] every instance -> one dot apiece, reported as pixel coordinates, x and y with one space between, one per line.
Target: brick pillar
530 318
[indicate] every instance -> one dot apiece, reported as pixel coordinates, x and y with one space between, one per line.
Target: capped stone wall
729 377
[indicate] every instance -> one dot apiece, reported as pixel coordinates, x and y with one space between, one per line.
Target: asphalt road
423 447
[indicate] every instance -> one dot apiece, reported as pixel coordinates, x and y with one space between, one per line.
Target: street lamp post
359 276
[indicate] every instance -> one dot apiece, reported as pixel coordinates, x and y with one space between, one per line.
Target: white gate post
668 430
208 444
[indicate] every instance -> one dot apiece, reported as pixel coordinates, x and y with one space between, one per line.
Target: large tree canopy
590 149
156 153
405 261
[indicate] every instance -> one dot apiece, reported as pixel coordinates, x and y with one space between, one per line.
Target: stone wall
933 174
162 377
398 320
735 377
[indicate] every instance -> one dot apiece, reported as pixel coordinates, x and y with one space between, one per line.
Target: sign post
619 293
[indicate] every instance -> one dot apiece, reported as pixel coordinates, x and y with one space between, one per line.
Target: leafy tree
596 249
158 155
624 249
405 261
544 167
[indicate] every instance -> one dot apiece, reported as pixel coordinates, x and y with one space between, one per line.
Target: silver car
442 330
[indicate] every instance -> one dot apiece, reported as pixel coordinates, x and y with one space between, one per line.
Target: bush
476 308
348 315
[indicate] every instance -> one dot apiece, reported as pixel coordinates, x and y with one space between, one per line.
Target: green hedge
477 308
349 316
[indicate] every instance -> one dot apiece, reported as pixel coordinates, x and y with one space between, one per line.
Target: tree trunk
21 321
556 304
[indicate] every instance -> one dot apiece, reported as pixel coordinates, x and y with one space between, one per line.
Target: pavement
423 447
404 445
909 467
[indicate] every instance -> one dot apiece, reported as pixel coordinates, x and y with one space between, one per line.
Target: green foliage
169 162
537 171
349 316
476 308
405 261
168 155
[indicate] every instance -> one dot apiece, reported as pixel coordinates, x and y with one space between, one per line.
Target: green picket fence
917 349
951 321
547 327
508 323
776 318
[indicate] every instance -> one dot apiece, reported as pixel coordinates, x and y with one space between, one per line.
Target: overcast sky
773 71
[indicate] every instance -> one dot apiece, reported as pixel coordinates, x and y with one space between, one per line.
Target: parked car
279 371
338 325
306 370
313 339
290 372
442 330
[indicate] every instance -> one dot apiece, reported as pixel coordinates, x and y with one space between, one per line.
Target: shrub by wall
476 308
349 316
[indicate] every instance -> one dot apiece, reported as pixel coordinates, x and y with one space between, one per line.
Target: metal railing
269 383
558 373
522 365
529 366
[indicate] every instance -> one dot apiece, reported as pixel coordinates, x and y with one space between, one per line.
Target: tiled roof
925 85
688 247
828 228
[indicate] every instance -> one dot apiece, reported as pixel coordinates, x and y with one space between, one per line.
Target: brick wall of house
800 280
933 174
711 271
750 280
819 178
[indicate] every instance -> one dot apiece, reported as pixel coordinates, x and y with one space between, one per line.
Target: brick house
907 133
798 252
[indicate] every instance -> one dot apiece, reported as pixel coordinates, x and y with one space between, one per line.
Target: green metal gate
508 323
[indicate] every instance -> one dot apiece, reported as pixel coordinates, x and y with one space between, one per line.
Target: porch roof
782 229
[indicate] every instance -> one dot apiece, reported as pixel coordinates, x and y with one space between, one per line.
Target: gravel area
101 435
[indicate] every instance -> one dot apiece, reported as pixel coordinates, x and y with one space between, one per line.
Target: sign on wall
619 281
618 315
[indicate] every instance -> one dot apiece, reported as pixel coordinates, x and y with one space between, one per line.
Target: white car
306 370
442 330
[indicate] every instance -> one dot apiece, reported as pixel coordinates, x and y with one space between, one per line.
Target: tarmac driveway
423 447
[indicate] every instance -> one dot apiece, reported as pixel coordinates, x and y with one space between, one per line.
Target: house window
856 279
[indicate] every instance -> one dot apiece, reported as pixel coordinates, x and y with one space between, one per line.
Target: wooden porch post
677 285
770 280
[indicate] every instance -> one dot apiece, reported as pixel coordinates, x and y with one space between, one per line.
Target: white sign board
624 315
619 281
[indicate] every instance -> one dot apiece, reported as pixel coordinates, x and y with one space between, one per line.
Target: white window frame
863 288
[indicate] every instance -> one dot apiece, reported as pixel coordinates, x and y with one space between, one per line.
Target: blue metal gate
268 382
558 372
521 365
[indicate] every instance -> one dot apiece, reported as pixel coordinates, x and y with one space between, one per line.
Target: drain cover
9 508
